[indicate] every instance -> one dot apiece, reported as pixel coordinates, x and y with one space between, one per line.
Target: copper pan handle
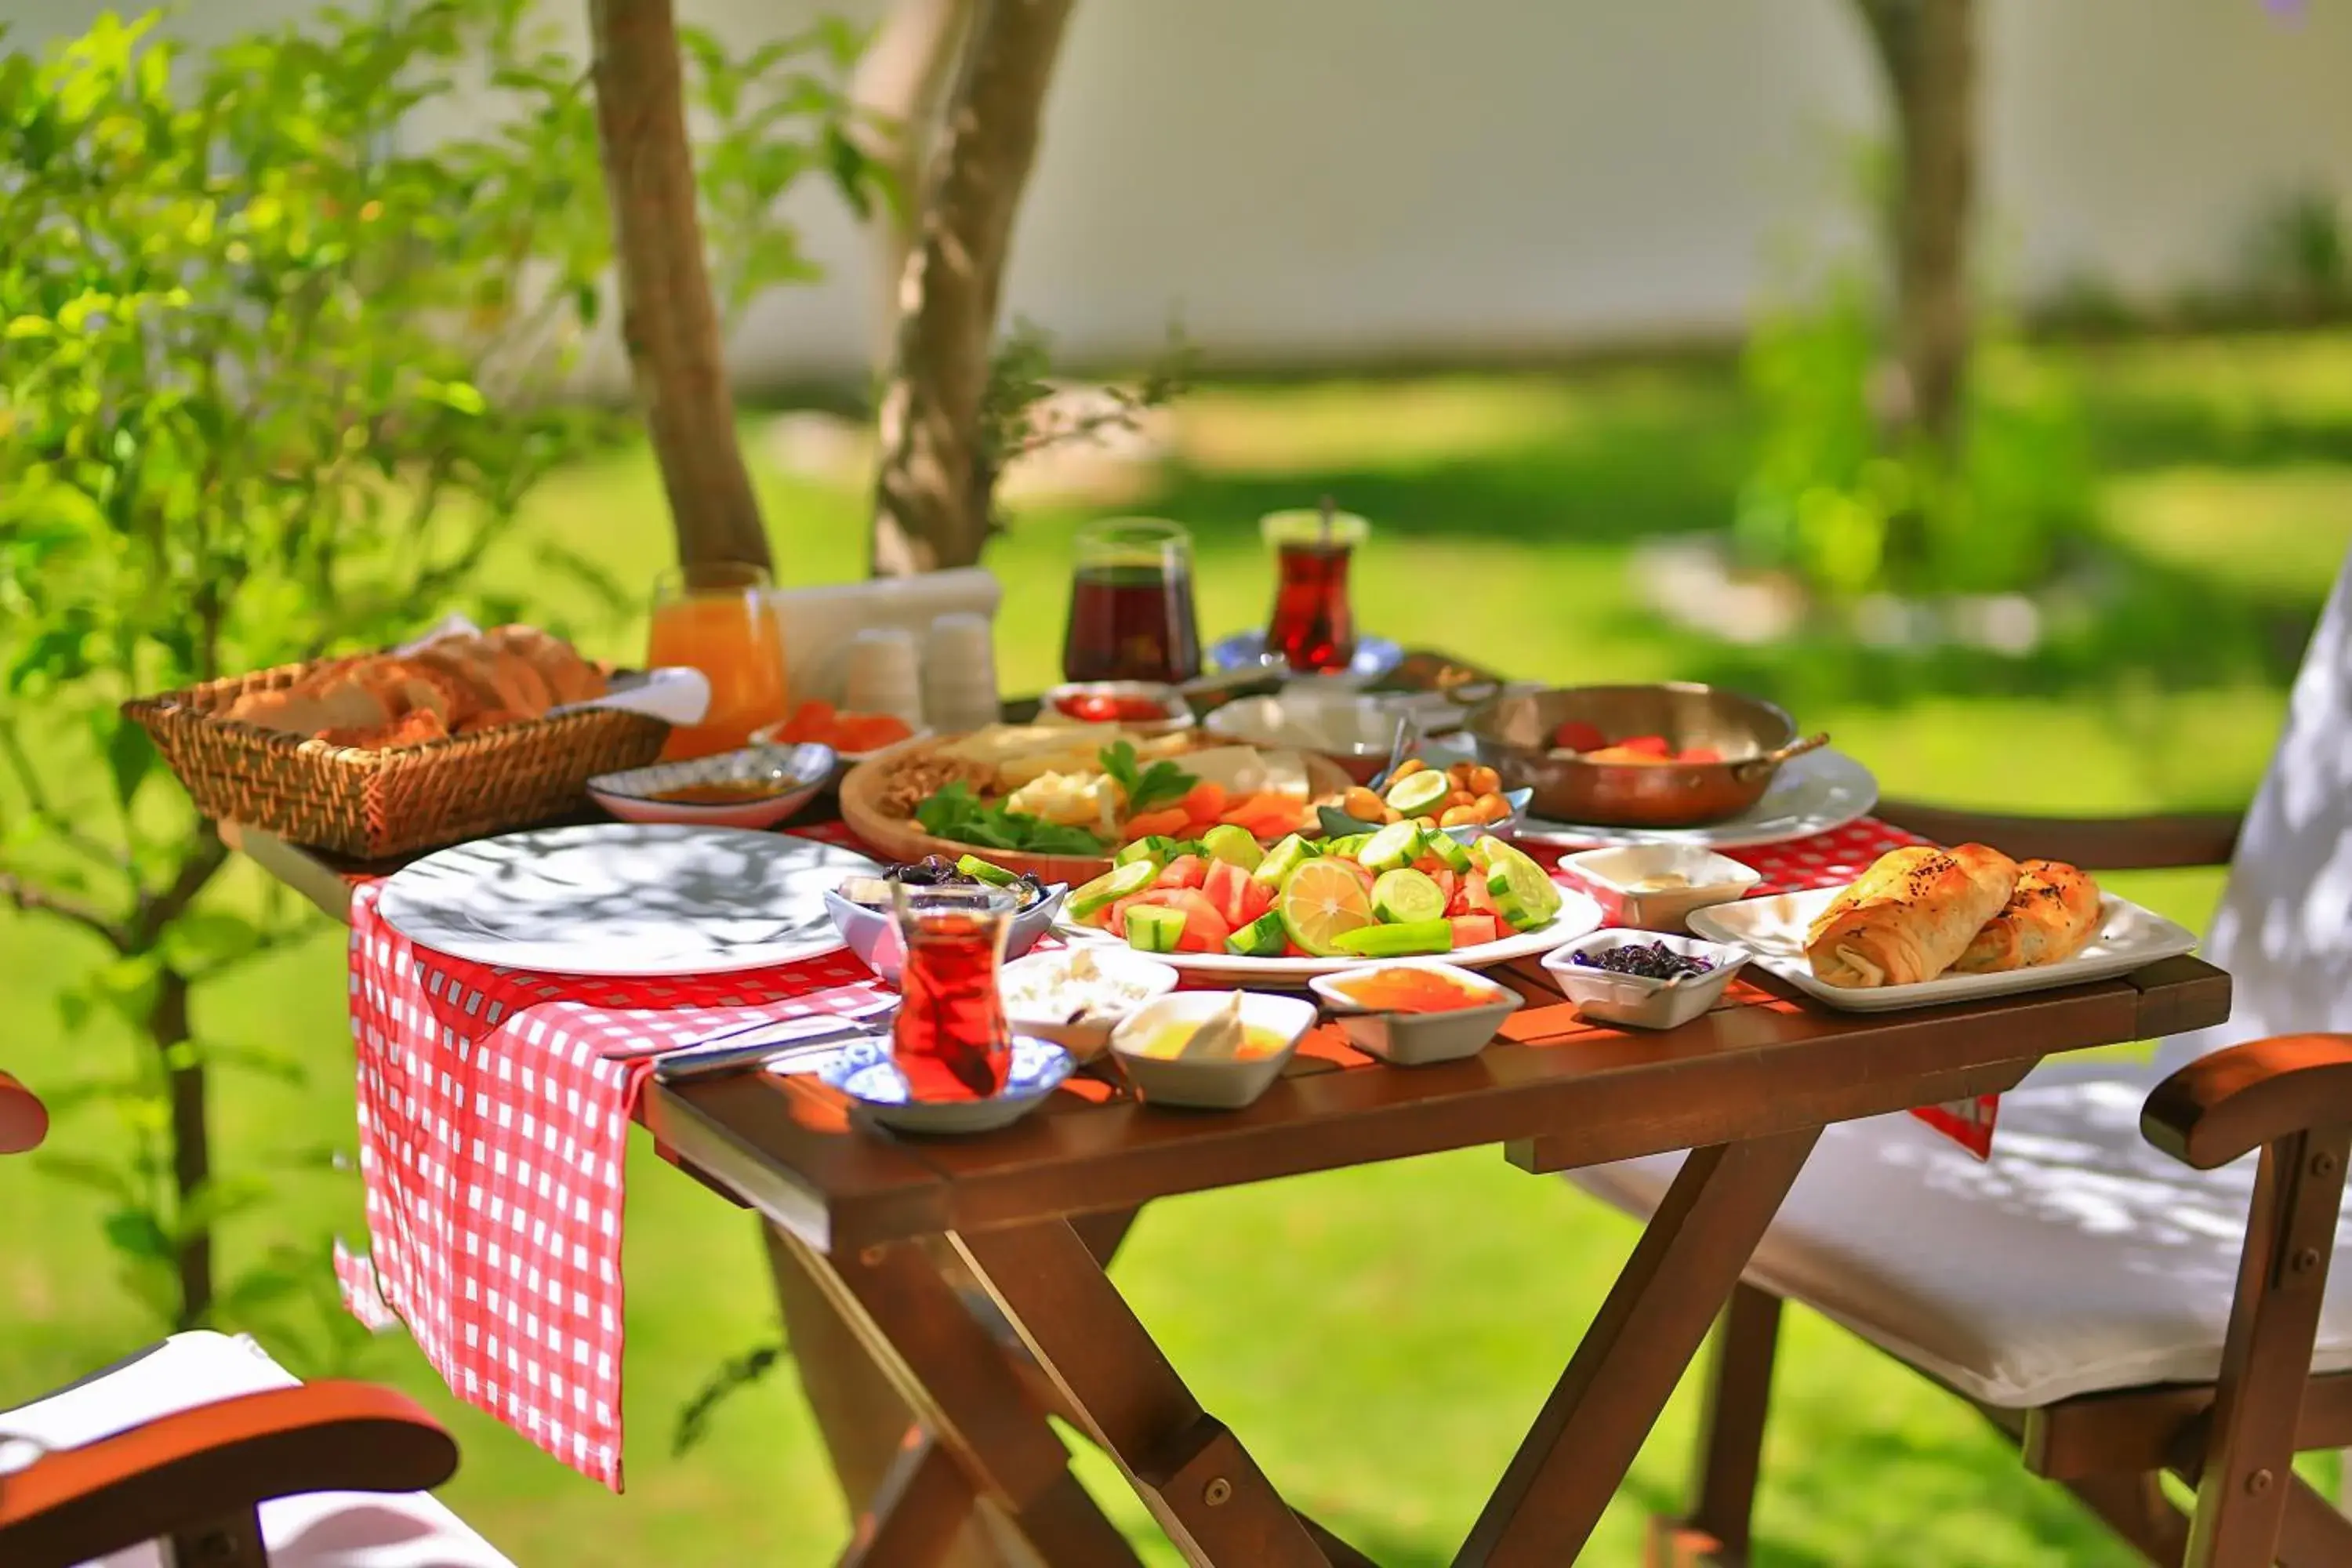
1769 762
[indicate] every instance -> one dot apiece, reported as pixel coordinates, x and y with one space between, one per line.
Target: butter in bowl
1075 996
1416 1012
1210 1050
1655 887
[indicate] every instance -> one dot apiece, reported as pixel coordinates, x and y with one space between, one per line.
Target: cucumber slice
1534 888
1346 846
1157 849
1398 843
1402 898
1150 929
1119 882
1262 938
1417 794
1281 861
1395 940
1451 852
1235 846
986 871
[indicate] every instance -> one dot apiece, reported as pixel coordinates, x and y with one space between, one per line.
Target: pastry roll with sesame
2051 914
1908 916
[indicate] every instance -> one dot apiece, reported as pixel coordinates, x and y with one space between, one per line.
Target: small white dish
796 772
1175 713
2128 937
1615 879
1417 1039
1354 731
870 933
1209 1085
1634 1000
1025 983
865 1072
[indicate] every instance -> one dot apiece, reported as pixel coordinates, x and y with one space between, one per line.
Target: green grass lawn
1379 1338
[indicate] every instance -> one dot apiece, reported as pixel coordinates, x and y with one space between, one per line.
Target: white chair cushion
317 1530
2079 1259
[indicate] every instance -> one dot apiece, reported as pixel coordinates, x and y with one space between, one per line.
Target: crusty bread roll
1908 916
456 685
2051 914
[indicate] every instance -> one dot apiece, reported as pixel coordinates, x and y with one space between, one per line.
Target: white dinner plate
623 898
2129 937
1578 916
1812 794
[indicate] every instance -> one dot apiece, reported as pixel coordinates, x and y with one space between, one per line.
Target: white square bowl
1210 1085
1634 1000
1086 1035
1613 877
1417 1039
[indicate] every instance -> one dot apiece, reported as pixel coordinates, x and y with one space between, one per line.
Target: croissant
2049 915
1908 916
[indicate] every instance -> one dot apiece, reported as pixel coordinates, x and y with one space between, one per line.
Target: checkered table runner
494 1106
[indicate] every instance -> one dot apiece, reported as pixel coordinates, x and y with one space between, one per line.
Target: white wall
1335 179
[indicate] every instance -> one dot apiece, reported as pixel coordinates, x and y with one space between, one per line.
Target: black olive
1651 960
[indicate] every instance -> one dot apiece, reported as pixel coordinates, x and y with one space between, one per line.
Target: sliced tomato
1225 887
1470 931
1700 755
1205 928
1474 895
1184 871
1647 745
1575 735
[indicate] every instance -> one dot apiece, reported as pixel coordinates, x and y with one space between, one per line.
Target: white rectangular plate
2129 937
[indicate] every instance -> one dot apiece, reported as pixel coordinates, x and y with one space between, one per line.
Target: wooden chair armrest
217 1460
24 1119
2094 843
2226 1104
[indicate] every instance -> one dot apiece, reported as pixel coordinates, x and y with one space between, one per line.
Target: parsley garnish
956 813
1161 783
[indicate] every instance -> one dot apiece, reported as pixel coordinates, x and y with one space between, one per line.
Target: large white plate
622 898
1578 916
2129 937
1812 794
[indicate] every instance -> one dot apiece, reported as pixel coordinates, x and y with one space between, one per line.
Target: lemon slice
1418 795
1321 902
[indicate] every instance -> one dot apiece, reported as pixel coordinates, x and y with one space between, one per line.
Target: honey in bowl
1170 1039
721 792
1406 989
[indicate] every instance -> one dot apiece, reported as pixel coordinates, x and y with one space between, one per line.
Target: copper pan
1513 733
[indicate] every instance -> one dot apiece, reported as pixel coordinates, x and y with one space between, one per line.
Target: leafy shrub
272 384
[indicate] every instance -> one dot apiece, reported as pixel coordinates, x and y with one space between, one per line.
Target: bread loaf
1910 916
457 685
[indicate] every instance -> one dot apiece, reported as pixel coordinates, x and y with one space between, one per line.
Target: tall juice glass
718 619
950 1040
1312 626
1131 603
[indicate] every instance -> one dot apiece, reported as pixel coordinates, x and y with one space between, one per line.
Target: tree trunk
1927 49
931 497
668 319
904 79
192 1149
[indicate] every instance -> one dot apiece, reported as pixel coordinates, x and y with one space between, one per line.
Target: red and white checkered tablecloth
494 1107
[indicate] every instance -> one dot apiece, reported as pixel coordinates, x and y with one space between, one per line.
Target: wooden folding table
905 1235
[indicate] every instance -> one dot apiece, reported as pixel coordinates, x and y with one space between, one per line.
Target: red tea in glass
950 1040
1131 604
1312 627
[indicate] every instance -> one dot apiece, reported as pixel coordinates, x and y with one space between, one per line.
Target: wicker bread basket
375 805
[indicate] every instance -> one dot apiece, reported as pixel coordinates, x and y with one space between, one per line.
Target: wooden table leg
1205 1491
1677 1280
943 1363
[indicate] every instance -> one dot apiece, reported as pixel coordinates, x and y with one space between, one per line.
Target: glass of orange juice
716 618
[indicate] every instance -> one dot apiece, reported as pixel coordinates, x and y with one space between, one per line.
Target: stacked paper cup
880 676
959 673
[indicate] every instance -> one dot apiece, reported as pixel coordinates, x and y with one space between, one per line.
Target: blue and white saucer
863 1071
1375 657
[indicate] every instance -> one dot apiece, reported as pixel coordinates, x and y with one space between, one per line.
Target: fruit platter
1058 801
1224 908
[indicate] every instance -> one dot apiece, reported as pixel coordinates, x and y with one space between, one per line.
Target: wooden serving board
903 838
